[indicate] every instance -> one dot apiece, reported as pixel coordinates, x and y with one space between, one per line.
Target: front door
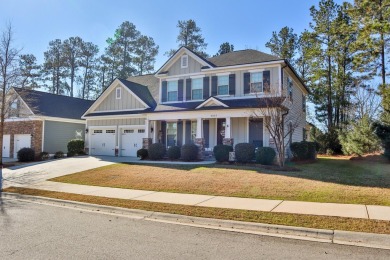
256 132
221 123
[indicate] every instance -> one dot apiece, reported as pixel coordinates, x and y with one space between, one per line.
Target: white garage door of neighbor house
131 141
6 145
21 141
103 142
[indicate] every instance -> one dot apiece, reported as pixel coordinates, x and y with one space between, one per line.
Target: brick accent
200 143
228 141
33 127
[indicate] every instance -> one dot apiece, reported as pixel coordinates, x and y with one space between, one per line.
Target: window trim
182 58
250 82
177 90
218 85
118 90
192 88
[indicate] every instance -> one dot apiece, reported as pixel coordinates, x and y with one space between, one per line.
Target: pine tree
283 44
225 47
145 55
29 71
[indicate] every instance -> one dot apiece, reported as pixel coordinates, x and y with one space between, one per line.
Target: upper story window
14 109
260 81
184 61
303 103
197 88
118 93
223 85
290 88
172 91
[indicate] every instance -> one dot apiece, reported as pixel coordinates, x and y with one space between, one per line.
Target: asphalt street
35 231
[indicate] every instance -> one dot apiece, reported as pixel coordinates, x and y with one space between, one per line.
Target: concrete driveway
33 173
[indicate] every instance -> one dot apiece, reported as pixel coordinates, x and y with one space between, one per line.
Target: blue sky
245 24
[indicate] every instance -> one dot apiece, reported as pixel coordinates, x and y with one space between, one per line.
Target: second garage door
131 141
103 142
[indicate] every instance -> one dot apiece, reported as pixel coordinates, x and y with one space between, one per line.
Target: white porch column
147 128
199 126
228 131
155 132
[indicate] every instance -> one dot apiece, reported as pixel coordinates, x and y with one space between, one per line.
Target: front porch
206 132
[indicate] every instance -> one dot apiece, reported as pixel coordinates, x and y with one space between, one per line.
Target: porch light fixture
86 130
151 129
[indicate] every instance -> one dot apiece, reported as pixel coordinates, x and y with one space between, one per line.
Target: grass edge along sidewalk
298 220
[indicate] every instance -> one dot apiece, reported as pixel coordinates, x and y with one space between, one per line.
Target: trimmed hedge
221 152
142 153
189 152
44 156
26 155
245 152
156 151
303 150
174 152
265 155
75 147
59 154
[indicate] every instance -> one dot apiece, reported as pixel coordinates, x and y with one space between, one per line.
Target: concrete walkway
297 207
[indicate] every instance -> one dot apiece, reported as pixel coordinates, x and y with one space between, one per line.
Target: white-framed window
171 134
110 131
14 109
118 93
172 90
290 88
197 89
128 131
140 131
193 131
184 61
256 82
97 131
223 85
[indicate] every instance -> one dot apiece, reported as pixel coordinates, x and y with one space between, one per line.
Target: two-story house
191 99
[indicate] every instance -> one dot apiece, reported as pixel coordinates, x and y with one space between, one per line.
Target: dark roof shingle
52 105
241 57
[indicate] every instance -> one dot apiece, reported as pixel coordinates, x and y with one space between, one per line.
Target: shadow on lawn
345 172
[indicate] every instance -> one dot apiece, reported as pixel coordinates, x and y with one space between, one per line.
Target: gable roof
52 105
241 57
140 90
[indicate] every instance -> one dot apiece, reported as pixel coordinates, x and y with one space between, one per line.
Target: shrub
59 155
244 152
299 150
173 152
221 152
329 140
156 151
142 153
189 152
265 155
75 147
383 133
26 155
304 150
44 156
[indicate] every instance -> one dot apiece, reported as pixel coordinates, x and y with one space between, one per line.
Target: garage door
6 145
103 142
21 141
131 141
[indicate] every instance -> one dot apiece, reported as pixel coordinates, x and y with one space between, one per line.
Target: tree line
343 58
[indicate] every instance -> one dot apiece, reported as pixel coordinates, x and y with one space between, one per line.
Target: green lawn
328 180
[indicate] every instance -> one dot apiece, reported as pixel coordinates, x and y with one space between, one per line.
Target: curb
380 241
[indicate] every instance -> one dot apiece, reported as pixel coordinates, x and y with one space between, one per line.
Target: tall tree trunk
329 106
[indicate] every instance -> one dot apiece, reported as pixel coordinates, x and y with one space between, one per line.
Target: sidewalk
297 207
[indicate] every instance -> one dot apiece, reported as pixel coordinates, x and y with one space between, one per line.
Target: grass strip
309 221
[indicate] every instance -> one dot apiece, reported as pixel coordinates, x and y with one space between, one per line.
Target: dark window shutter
164 92
179 133
206 133
188 89
232 84
247 83
206 87
163 132
188 132
180 90
214 82
267 80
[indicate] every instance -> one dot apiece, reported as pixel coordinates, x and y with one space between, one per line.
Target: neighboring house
42 121
194 100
